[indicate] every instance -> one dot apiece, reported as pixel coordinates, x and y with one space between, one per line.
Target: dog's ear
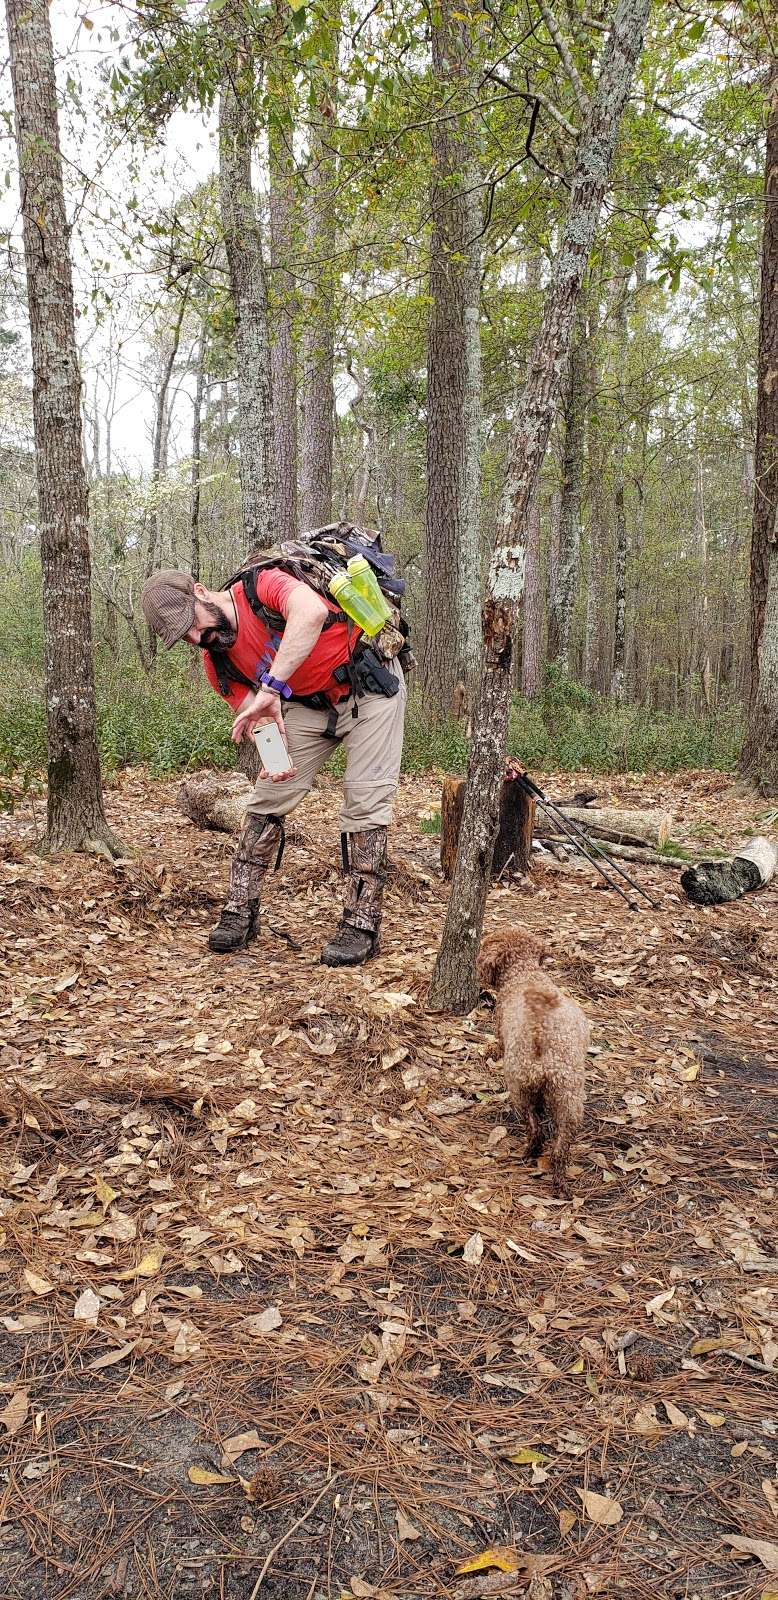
494 956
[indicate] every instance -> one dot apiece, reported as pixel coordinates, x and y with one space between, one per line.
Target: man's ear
200 591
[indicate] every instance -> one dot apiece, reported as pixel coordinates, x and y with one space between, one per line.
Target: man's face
211 627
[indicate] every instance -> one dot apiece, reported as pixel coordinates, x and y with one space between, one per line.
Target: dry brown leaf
652 1307
675 1416
14 1414
112 1357
473 1251
405 1529
646 1422
238 1444
714 1419
266 1322
764 1550
36 1284
87 1307
770 1492
567 1520
600 1508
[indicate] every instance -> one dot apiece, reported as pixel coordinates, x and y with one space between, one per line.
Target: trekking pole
577 835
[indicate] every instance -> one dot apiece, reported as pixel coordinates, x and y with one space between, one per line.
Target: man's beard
220 632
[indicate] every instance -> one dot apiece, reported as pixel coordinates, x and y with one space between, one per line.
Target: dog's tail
539 1003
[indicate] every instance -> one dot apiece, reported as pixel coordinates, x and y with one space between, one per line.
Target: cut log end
514 837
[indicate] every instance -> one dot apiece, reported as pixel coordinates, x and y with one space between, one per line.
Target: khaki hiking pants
373 741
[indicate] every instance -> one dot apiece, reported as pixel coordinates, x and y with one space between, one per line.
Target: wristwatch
277 685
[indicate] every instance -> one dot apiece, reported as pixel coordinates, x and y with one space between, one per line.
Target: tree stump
514 837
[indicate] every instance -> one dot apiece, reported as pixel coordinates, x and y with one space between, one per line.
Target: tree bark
618 674
284 304
75 815
248 284
759 757
469 566
159 467
560 626
454 983
318 397
197 423
446 370
532 634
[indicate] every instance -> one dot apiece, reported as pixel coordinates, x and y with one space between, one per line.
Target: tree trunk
446 370
563 599
248 284
469 565
532 623
197 422
701 644
532 634
759 757
75 816
454 983
283 360
618 675
318 397
159 468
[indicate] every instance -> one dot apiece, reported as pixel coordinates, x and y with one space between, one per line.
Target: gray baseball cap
168 601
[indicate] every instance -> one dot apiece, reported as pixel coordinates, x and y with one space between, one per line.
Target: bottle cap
339 582
358 564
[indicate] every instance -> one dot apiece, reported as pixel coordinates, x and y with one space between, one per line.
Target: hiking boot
235 928
350 947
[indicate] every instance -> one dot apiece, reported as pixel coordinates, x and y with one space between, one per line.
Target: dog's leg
566 1126
533 1121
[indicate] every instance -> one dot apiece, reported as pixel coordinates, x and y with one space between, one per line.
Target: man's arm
306 614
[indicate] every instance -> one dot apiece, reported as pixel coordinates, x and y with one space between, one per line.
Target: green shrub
171 721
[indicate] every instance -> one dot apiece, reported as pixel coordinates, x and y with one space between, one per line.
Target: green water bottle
367 615
366 583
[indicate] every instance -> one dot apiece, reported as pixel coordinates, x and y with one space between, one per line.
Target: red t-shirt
255 647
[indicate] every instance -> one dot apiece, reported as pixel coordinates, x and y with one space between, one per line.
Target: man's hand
263 706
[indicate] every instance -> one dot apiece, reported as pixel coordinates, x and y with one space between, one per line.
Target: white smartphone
272 751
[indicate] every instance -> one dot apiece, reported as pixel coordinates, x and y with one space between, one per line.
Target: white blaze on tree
75 805
454 984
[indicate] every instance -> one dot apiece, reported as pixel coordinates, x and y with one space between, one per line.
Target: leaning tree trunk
446 366
759 758
243 242
454 983
318 395
75 817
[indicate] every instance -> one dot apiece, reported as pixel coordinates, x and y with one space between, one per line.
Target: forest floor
284 1311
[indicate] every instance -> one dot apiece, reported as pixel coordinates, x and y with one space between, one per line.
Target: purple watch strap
277 684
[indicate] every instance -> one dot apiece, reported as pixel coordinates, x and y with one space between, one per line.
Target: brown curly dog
543 1036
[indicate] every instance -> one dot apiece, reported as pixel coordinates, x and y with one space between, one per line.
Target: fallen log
624 852
514 837
711 883
622 827
215 800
